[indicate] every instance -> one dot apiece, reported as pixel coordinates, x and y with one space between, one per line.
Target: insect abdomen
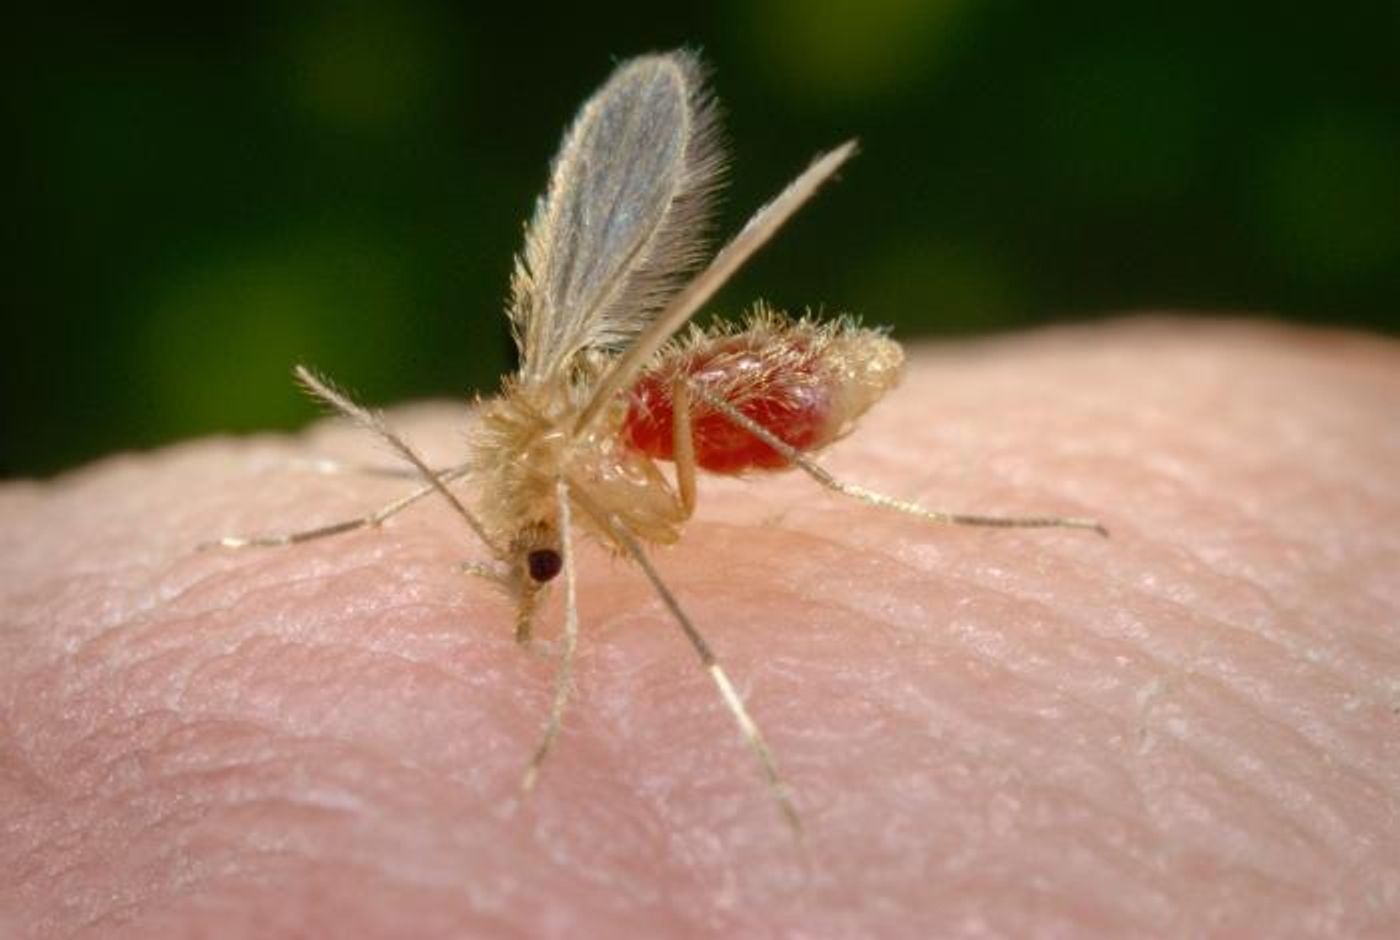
804 382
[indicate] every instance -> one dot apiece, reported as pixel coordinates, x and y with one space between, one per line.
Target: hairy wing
755 233
624 217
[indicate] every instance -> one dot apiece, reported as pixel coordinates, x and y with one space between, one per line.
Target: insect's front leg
370 520
328 466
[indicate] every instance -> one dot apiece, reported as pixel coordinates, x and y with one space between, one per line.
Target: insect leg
777 786
818 473
327 466
373 421
528 598
345 525
564 677
683 445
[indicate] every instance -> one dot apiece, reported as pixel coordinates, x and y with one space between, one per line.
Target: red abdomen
804 382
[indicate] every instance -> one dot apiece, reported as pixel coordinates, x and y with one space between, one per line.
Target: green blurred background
204 196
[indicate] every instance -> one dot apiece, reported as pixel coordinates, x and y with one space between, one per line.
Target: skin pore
1190 728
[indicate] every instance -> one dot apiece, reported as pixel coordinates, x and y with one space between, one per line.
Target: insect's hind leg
369 520
822 476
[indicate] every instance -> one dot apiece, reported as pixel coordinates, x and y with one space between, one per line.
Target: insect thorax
525 442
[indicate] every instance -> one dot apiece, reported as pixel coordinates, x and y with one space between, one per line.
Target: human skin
1191 728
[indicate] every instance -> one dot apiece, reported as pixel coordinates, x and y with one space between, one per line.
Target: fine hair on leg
818 473
683 445
345 525
373 422
753 736
329 466
564 676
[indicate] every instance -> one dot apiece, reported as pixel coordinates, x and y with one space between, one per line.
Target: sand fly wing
623 220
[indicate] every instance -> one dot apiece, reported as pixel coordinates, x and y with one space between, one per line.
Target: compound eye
544 564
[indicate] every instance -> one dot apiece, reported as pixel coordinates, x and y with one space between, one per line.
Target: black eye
544 564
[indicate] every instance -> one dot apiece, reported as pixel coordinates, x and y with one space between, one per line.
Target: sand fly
611 381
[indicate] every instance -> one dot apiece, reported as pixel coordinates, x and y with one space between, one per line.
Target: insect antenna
373 422
564 677
753 736
822 476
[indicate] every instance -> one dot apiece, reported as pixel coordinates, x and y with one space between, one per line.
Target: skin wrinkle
1225 774
1230 688
1339 841
240 668
242 647
1265 810
1232 696
1282 639
329 711
175 782
314 585
124 913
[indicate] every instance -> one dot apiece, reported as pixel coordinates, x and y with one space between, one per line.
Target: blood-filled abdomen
804 382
